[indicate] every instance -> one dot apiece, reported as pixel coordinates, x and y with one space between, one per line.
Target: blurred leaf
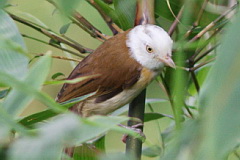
125 11
108 10
66 7
50 140
3 93
65 130
3 4
152 151
162 9
16 100
64 28
37 117
44 115
154 116
220 96
56 75
100 125
217 129
86 151
28 90
32 19
12 60
10 123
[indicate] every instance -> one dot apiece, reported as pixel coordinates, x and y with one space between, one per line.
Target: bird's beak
168 61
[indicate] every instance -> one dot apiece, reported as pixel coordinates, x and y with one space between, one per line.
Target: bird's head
151 46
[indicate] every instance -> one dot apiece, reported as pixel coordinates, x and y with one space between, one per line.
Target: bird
123 66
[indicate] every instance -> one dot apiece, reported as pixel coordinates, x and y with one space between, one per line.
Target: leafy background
211 132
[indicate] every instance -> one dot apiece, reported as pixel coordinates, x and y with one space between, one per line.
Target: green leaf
125 11
152 151
154 116
71 81
64 28
29 91
16 100
220 96
29 121
108 10
73 101
66 7
44 115
216 132
162 8
64 130
10 123
3 93
56 75
12 46
32 19
85 151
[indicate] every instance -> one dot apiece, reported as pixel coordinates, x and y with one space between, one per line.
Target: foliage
203 91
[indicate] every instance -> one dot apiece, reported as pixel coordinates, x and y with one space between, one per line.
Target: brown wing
115 68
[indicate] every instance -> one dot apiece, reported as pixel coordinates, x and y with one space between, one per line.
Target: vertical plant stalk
144 15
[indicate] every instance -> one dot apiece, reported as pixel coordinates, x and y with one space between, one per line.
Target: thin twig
62 58
53 45
159 127
196 23
192 58
189 112
166 89
51 35
202 64
195 81
175 23
114 28
200 13
212 24
206 53
81 22
86 23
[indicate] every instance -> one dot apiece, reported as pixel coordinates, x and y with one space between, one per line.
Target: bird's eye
149 49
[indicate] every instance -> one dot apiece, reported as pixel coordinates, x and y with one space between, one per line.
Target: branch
175 23
206 53
202 64
114 28
61 57
53 45
84 24
51 35
213 23
87 24
144 15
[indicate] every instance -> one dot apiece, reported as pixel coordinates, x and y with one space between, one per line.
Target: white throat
144 36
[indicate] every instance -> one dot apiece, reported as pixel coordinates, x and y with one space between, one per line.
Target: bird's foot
136 128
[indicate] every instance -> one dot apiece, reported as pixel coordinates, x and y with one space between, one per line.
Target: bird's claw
134 128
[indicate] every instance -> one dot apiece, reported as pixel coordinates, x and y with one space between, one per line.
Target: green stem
136 109
144 15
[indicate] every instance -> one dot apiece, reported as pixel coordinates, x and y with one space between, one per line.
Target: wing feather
121 73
